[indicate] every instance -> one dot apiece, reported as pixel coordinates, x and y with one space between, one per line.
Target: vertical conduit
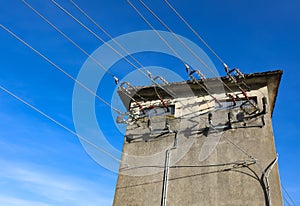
166 171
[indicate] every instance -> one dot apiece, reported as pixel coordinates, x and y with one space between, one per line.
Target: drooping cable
59 124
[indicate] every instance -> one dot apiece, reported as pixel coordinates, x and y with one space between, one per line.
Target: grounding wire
58 123
59 68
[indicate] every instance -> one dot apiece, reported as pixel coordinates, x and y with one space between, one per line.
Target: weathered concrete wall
214 168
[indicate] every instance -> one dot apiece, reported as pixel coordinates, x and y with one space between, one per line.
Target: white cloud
12 201
52 186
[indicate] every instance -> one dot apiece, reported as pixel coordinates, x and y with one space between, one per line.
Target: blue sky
42 164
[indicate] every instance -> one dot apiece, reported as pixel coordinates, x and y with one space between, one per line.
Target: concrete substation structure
206 148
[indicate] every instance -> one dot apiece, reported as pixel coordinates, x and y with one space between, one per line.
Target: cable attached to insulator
149 74
161 79
116 80
165 105
245 94
191 72
201 76
232 98
128 93
216 100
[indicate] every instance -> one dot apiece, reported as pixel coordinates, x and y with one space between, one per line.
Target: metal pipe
166 171
267 173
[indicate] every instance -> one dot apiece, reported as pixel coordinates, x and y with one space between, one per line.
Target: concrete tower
201 142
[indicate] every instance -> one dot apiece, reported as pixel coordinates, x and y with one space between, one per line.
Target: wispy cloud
50 185
12 201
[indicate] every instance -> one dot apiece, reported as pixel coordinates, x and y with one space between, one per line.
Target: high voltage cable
59 68
178 56
59 124
201 39
87 88
76 45
99 38
58 30
194 31
194 54
104 42
162 38
288 195
59 6
94 34
106 33
183 43
68 38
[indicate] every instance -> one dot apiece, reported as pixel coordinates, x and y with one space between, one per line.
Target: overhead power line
198 58
105 43
289 196
59 68
194 31
116 79
59 124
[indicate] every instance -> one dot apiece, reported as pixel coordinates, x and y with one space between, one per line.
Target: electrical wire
198 36
77 46
70 40
59 68
163 39
113 39
174 51
183 43
58 123
194 31
285 200
195 55
94 34
289 196
77 81
104 42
